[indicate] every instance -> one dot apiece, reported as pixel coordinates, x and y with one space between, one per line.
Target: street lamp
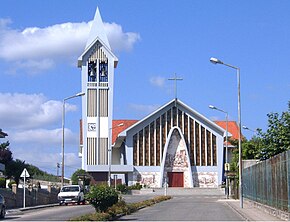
110 152
247 128
63 120
227 120
217 61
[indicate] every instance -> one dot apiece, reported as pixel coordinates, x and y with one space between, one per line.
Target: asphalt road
57 213
187 208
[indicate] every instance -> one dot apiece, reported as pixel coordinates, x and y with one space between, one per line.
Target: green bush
2 183
136 186
102 197
122 188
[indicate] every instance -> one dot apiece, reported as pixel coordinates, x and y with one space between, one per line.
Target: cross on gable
175 78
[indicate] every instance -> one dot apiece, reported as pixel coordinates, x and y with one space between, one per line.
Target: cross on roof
175 84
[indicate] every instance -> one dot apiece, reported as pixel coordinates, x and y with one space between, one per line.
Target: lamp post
227 121
247 128
217 61
110 152
63 121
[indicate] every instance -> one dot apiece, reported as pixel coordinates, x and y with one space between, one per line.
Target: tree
82 174
14 169
277 137
5 153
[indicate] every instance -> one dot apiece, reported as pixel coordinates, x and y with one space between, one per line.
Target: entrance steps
176 191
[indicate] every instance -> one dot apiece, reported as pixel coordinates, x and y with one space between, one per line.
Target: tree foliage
102 197
14 168
267 144
5 153
277 137
82 174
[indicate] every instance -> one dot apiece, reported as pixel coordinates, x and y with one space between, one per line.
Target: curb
238 212
19 210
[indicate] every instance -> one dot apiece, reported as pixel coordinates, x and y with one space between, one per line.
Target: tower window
92 71
103 72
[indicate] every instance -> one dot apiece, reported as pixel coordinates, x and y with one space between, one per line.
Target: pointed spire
98 30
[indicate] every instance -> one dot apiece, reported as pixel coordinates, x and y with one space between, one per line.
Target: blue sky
40 42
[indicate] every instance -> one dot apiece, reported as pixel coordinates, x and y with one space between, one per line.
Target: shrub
122 188
102 197
136 186
2 183
120 208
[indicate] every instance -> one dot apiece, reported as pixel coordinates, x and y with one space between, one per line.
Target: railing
268 182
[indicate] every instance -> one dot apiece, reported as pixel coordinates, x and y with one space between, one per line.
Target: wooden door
175 179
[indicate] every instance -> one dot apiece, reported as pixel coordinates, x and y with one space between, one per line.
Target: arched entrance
176 167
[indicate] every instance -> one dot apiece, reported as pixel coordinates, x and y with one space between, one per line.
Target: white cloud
157 81
36 49
42 136
30 120
27 111
119 40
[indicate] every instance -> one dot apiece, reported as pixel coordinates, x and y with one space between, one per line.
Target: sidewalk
249 212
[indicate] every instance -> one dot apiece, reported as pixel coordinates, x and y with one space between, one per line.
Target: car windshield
70 189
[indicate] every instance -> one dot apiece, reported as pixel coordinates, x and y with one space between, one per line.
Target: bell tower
97 64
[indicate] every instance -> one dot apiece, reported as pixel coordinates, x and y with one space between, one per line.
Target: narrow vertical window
208 139
168 121
158 141
164 136
180 123
174 114
197 144
192 148
135 150
214 159
203 146
141 148
152 153
186 129
147 146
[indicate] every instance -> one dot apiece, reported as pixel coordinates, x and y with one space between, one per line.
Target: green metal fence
268 182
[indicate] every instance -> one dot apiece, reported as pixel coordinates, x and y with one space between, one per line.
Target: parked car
2 207
71 194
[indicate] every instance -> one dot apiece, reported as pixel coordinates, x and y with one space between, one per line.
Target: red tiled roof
116 129
233 128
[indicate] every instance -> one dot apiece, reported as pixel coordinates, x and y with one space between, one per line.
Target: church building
175 144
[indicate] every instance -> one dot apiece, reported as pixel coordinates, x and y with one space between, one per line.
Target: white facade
177 142
174 144
97 65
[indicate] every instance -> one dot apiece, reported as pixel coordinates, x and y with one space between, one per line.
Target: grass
119 209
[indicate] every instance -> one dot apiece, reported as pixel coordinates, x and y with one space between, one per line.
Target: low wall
33 197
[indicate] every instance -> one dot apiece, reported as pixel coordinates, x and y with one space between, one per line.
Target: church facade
174 145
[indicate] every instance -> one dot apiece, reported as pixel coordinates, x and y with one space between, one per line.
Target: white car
71 194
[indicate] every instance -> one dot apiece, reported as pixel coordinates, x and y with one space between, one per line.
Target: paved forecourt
197 204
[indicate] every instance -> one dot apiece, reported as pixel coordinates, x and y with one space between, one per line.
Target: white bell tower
97 64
